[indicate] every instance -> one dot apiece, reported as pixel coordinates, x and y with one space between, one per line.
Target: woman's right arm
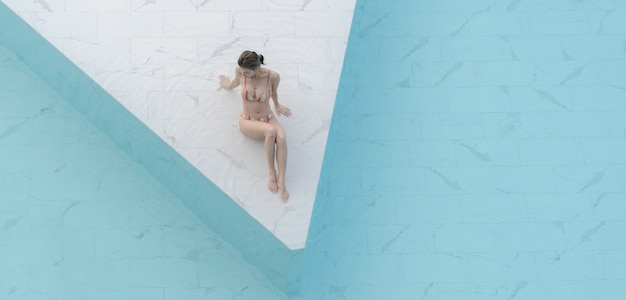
227 84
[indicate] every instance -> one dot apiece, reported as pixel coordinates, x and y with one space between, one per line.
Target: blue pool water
476 152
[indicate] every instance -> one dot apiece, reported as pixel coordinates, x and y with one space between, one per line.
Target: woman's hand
225 82
283 110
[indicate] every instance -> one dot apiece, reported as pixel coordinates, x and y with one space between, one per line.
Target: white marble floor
162 58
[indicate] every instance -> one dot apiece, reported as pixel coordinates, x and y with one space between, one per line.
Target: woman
257 120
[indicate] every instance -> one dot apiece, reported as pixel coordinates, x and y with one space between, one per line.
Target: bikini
259 99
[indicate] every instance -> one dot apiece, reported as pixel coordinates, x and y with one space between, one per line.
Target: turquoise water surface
477 151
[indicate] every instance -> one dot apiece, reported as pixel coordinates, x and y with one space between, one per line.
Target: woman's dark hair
250 60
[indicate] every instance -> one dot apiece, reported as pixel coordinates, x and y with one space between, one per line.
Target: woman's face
248 73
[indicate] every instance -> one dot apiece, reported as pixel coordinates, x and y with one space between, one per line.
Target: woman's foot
282 191
273 186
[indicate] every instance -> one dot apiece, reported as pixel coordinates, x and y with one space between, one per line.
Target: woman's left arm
280 109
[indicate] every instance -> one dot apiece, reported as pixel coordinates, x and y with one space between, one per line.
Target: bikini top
260 98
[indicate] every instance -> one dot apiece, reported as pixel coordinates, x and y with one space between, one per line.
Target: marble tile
405 291
229 5
194 24
451 125
591 46
221 50
510 23
254 23
446 181
551 151
424 210
560 207
485 208
561 23
486 152
432 153
427 74
549 99
39 6
610 23
164 5
593 5
74 25
598 235
491 290
130 24
451 5
381 209
533 236
105 6
460 238
348 291
606 72
411 48
569 124
603 150
429 267
579 96
412 238
114 51
295 5
607 289
141 77
525 5
502 266
15 185
508 73
129 293
163 272
163 51
531 179
377 155
379 133
353 269
570 265
435 23
465 48
596 178
409 181
514 125
326 24
533 47
566 73
304 50
483 99
607 206
408 100
543 290
614 264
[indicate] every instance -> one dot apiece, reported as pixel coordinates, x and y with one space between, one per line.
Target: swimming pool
475 153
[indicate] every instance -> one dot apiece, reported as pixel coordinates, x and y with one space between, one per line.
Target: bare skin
271 132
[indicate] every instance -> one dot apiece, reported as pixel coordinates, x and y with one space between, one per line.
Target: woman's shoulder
274 75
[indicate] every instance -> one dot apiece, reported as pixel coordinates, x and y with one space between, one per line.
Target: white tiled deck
162 59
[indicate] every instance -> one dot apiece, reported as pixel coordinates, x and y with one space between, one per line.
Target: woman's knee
281 138
270 132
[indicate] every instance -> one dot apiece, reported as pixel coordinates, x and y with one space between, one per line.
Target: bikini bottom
261 119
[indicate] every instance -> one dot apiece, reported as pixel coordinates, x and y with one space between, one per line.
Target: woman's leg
281 158
260 130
